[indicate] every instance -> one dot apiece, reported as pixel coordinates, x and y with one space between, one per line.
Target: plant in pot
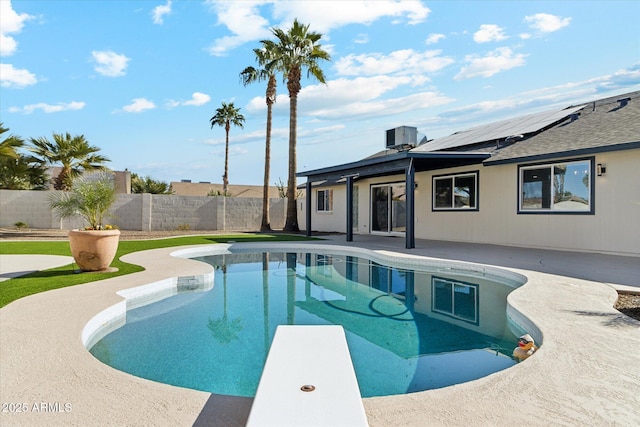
94 247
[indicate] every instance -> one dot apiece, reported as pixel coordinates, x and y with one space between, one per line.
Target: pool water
407 330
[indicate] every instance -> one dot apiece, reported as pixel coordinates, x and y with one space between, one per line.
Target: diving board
308 380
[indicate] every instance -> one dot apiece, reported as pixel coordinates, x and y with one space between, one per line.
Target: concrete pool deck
586 372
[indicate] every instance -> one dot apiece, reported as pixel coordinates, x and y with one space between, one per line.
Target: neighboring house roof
602 125
204 188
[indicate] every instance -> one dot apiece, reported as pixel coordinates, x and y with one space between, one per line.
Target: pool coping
586 371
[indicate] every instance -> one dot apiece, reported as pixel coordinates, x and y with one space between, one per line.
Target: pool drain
308 387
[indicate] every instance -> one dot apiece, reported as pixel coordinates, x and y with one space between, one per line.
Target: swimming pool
409 328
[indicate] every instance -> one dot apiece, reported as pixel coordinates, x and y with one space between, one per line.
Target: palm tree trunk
291 224
266 223
62 180
225 177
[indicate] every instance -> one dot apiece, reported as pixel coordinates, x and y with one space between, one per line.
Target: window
325 265
454 192
324 201
556 187
389 279
455 299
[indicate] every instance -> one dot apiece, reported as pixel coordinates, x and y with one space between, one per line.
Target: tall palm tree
251 75
225 116
295 50
73 153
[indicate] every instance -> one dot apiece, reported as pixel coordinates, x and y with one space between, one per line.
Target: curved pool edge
114 317
50 363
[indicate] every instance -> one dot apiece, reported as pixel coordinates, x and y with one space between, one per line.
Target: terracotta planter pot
93 250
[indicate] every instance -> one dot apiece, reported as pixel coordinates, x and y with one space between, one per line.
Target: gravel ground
628 304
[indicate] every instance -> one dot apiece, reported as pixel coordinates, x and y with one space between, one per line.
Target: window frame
476 176
328 200
391 213
551 165
454 283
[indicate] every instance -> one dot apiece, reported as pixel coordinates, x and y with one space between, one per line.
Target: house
121 179
567 180
188 188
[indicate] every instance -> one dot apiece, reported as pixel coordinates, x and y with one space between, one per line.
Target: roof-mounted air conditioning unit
402 136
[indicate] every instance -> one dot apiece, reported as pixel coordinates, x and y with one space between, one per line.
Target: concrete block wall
277 213
148 212
127 212
171 212
30 207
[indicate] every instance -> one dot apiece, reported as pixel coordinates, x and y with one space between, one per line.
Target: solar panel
498 130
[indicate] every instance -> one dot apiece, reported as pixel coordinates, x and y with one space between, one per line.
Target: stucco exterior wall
147 212
614 228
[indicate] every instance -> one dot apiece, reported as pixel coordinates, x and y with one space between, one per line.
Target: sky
140 79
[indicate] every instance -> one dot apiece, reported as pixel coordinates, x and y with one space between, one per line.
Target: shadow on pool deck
224 411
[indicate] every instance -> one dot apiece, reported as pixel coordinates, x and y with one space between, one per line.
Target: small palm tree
251 75
148 185
9 146
23 173
293 51
225 116
90 199
17 171
73 153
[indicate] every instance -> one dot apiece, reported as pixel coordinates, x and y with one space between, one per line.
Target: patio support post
350 208
308 197
410 239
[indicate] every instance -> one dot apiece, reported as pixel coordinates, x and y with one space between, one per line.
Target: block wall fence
148 212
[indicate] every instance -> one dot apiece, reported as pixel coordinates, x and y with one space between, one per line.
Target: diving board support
308 380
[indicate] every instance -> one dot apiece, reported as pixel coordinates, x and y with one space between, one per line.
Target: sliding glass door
388 208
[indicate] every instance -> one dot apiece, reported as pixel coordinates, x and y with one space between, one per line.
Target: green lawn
13 289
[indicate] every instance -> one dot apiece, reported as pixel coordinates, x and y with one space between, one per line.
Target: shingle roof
601 125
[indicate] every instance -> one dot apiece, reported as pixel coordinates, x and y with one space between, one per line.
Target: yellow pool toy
526 347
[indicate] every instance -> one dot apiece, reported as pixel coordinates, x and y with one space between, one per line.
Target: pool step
308 380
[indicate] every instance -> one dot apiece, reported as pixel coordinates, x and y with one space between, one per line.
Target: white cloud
345 99
10 23
197 99
378 107
501 59
15 77
109 63
525 36
159 12
406 61
139 105
351 12
361 39
48 108
489 33
546 23
434 38
244 21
